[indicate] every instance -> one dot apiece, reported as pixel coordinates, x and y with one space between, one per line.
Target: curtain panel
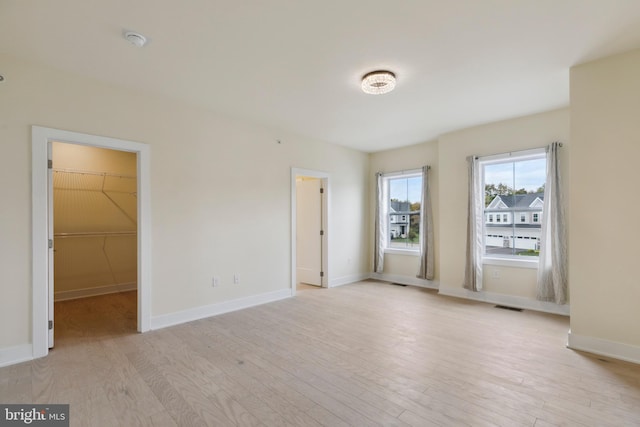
380 232
552 264
427 257
475 207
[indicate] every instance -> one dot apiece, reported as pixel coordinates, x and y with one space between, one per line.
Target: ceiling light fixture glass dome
378 82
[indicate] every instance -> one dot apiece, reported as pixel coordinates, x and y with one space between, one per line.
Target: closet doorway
310 227
43 229
95 224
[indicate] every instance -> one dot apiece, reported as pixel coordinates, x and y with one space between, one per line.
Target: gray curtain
380 226
552 265
427 262
475 215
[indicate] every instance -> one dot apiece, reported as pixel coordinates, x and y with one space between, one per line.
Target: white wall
603 268
509 135
403 268
220 192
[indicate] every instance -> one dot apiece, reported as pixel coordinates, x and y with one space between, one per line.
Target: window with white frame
513 185
404 192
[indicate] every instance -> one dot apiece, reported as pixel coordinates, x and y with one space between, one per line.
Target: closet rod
95 234
81 172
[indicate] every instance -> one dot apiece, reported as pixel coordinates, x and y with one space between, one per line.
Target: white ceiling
296 64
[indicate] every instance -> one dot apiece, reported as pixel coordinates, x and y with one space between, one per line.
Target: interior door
50 261
308 230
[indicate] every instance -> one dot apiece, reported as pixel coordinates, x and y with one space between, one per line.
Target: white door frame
41 137
295 172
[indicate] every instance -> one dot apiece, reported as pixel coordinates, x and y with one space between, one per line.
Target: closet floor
101 316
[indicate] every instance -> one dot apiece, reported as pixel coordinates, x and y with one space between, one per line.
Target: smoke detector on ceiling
135 39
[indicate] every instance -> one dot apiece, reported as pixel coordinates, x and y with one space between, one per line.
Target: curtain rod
406 171
511 152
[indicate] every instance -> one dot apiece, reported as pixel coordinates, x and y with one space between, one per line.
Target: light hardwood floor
366 354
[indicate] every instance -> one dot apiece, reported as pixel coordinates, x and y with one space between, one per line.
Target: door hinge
322 232
322 274
50 164
50 324
321 190
50 243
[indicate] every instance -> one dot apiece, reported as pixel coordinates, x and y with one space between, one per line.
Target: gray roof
520 200
397 206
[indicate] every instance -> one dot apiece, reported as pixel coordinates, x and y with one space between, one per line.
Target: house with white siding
514 221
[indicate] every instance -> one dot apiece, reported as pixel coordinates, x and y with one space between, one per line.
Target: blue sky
403 187
529 174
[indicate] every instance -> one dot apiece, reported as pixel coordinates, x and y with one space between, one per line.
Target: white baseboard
406 280
616 350
345 280
92 292
189 315
17 354
508 300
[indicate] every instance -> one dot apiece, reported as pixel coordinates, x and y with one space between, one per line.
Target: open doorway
310 226
43 227
95 222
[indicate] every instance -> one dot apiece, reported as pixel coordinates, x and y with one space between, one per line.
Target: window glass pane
404 212
514 189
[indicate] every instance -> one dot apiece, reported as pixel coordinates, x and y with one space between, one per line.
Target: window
490 218
404 197
513 183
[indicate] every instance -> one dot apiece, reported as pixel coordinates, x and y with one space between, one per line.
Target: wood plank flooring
367 354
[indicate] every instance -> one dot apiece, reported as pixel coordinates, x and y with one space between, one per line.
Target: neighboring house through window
404 197
513 186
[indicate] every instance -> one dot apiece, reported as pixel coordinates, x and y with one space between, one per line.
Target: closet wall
95 221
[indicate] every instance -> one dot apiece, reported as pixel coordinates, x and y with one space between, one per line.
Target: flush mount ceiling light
135 39
378 82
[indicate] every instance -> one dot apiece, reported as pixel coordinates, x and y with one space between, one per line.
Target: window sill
510 262
406 252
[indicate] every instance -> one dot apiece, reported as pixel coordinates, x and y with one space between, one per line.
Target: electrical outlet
236 278
216 281
495 274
